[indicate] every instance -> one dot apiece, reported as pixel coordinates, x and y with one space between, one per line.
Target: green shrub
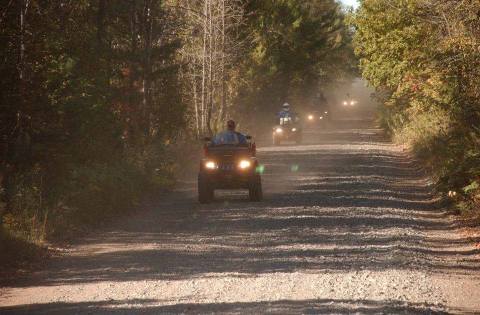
28 212
17 252
89 196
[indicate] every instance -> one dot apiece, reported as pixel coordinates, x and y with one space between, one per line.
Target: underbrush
86 197
448 151
16 252
45 207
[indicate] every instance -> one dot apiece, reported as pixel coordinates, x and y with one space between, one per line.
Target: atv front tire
255 190
205 191
276 141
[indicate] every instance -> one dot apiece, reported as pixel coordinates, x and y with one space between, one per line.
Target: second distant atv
316 117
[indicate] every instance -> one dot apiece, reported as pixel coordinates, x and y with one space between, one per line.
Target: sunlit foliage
423 57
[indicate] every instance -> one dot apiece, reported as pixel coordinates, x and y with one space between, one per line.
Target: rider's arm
242 139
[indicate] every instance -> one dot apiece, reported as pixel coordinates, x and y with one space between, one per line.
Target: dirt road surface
348 225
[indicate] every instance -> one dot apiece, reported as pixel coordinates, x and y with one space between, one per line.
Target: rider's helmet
286 107
231 125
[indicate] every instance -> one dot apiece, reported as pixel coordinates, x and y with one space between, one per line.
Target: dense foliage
423 57
97 95
90 94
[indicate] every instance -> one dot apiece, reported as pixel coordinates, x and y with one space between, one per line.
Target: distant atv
326 114
229 166
350 102
287 132
317 118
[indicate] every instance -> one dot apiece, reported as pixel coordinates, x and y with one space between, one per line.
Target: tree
211 49
425 55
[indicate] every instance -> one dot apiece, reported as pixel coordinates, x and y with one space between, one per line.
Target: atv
229 166
316 117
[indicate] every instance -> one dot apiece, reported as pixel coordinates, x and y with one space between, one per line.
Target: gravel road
348 225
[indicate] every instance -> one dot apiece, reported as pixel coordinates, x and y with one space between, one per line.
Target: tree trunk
147 72
204 66
102 7
133 117
195 102
21 65
223 79
210 68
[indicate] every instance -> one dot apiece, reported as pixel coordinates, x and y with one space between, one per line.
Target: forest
102 102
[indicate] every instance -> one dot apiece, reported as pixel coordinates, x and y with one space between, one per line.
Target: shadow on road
321 306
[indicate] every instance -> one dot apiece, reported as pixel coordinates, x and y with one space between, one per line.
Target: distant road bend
348 225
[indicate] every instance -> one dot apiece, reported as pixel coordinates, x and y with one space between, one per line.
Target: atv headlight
310 117
345 103
211 165
279 130
244 164
294 129
326 112
321 117
352 103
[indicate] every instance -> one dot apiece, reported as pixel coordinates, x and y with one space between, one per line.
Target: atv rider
230 136
285 115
